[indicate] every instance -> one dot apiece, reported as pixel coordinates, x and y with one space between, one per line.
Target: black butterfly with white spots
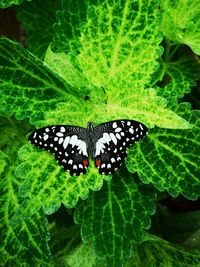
105 143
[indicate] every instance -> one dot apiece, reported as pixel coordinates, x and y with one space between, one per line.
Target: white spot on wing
73 140
46 137
114 139
141 127
106 137
118 136
131 130
118 130
75 167
112 160
34 135
103 165
62 129
114 125
59 134
60 140
128 123
82 148
70 161
66 142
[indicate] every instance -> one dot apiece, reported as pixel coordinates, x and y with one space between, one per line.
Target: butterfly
73 145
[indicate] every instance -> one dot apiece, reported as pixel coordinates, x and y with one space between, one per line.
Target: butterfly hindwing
112 140
67 143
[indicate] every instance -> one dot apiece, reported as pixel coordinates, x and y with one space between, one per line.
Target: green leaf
37 18
47 184
67 248
120 44
144 106
34 88
68 25
25 243
7 3
110 57
177 77
160 253
3 161
181 22
62 65
114 218
183 228
169 158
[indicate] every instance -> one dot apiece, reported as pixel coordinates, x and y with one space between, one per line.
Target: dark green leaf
114 218
37 18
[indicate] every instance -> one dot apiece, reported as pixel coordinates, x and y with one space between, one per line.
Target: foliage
91 60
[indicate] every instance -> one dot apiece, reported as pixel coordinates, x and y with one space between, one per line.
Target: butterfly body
106 144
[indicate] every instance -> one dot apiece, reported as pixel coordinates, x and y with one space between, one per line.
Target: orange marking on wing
85 162
98 162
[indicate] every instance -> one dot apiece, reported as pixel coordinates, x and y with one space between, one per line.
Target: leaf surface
160 253
169 158
28 87
25 243
7 3
37 18
110 54
114 217
181 22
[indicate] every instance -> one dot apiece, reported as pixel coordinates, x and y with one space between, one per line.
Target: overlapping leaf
37 18
114 217
7 3
24 243
170 158
47 184
28 87
176 77
181 22
160 253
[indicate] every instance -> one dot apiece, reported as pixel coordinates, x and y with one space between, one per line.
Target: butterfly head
90 127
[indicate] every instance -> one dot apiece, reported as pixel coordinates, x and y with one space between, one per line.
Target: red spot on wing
98 162
85 162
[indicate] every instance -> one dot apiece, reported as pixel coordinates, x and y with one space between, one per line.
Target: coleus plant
89 60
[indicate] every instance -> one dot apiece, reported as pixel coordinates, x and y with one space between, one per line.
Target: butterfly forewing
111 141
67 143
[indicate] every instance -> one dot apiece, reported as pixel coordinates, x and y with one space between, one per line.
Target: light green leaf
28 87
181 22
160 253
120 44
37 18
25 243
114 217
170 158
62 65
7 3
144 106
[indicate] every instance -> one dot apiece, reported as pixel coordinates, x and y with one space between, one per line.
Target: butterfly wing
67 143
112 140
